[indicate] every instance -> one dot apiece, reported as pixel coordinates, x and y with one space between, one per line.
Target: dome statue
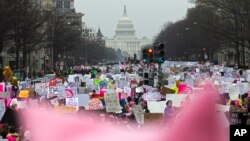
125 26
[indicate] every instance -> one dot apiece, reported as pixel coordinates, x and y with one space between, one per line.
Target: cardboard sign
83 100
65 109
112 102
72 102
139 114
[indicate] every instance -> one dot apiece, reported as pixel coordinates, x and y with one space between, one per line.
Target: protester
13 135
169 112
4 130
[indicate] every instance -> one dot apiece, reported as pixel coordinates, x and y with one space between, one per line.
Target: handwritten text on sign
112 102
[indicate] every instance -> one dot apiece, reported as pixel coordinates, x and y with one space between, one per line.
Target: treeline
210 27
27 26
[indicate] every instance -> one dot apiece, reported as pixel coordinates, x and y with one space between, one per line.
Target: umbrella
95 104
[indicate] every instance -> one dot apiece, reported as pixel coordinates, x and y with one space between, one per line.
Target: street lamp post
86 55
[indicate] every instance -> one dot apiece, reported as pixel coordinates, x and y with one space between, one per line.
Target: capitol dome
125 26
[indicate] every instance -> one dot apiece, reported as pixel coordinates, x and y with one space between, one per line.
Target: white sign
189 82
176 99
61 91
112 102
139 90
40 88
151 96
5 95
157 107
234 92
83 100
223 108
171 82
2 108
72 102
139 114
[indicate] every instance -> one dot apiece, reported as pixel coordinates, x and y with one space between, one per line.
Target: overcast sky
148 15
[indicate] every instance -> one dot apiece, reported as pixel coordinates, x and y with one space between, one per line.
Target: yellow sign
24 94
65 109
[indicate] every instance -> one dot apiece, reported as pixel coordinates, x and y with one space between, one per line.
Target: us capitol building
125 38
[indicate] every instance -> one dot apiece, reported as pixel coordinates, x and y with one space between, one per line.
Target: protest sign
40 88
23 94
139 114
2 108
171 81
122 82
176 99
2 87
65 109
75 78
72 102
223 108
4 95
139 90
156 107
234 92
127 91
248 77
83 100
238 118
51 92
152 96
189 82
21 104
112 102
61 91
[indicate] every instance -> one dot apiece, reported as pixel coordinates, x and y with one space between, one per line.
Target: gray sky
148 15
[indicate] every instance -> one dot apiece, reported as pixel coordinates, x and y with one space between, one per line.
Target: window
58 3
66 4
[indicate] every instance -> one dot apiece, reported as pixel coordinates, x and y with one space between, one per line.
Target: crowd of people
12 130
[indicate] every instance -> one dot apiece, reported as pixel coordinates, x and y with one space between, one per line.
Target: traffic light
161 53
145 55
150 55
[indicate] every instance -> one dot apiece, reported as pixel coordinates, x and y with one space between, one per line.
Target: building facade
65 5
125 38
